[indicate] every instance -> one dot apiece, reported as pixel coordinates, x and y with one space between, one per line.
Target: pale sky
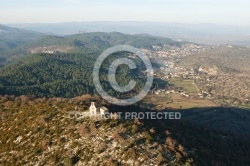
223 12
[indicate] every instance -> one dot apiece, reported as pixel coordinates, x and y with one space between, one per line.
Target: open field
176 101
186 84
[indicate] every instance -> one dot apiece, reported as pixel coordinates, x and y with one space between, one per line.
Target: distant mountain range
200 33
12 37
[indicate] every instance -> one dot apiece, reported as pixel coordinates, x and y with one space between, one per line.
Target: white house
97 110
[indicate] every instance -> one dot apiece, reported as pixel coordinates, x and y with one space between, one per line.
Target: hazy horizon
154 22
232 12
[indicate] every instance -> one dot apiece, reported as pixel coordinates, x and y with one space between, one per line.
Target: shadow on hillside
228 119
235 120
212 136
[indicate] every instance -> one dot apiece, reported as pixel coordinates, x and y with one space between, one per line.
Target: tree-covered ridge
106 39
95 42
11 37
11 42
63 75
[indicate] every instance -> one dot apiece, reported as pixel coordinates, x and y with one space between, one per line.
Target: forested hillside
61 74
48 69
12 37
84 43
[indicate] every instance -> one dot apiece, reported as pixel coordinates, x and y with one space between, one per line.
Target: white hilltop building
97 110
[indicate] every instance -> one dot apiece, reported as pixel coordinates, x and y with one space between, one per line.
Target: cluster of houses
203 93
172 51
159 91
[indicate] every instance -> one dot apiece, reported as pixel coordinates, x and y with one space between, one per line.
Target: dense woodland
65 75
